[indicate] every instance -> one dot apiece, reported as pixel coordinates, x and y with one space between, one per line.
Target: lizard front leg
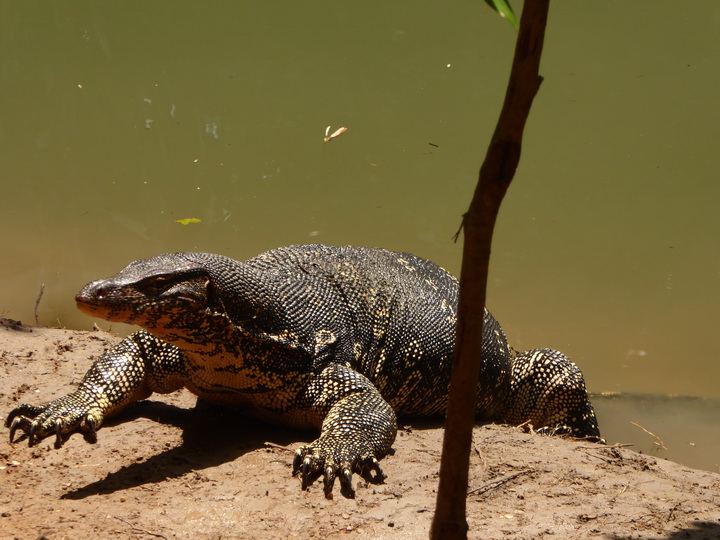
128 372
358 429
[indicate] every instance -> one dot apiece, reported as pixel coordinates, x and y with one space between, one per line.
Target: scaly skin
340 339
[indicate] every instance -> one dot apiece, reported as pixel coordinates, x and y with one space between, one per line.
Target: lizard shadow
211 435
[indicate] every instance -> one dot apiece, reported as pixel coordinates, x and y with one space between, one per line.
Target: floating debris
334 134
187 221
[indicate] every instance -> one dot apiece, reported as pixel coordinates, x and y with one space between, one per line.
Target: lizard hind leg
547 391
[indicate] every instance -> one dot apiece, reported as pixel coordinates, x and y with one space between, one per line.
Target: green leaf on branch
504 10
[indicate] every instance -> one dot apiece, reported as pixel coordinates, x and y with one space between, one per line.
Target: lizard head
167 291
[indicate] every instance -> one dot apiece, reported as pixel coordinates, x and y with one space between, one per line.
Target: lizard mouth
88 304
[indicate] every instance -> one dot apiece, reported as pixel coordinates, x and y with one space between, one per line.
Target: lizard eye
101 292
155 284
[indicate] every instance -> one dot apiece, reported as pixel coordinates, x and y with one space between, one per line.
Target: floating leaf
504 10
187 221
336 133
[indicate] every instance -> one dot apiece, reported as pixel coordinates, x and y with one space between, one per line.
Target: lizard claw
346 487
20 418
58 434
371 464
14 426
305 467
328 482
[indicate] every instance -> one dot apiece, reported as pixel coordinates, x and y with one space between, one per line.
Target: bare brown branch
496 173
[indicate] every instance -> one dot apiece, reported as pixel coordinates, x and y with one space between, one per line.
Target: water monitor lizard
337 338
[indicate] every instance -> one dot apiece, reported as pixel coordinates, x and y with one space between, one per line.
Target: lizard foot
336 459
60 418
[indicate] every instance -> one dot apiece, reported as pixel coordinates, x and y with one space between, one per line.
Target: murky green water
117 119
